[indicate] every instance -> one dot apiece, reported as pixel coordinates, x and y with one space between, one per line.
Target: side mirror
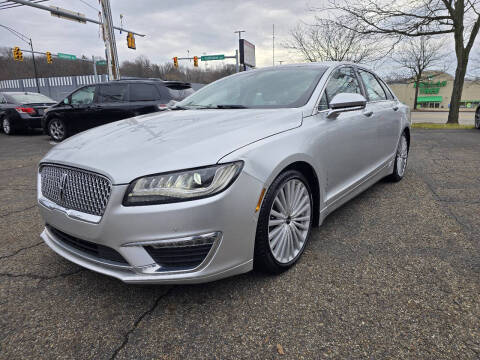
346 102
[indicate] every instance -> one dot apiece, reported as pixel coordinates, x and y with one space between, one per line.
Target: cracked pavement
395 273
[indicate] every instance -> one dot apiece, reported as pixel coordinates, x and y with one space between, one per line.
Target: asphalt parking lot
395 273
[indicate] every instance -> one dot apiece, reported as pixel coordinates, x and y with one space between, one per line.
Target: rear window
28 98
143 92
112 93
179 91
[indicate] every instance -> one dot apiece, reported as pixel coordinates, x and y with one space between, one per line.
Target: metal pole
236 61
273 44
95 68
110 43
34 66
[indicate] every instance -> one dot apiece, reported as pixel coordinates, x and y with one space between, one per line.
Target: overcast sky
171 27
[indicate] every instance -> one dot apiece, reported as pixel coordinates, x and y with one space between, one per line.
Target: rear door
384 117
112 103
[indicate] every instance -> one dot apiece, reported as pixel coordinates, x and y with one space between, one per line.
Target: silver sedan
233 177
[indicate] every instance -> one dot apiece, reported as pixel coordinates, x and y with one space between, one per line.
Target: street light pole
34 66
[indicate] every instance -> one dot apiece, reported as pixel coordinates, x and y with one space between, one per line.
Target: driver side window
84 96
342 80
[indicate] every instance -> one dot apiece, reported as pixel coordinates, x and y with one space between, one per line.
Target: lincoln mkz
231 178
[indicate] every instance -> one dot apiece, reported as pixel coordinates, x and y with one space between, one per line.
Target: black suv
99 104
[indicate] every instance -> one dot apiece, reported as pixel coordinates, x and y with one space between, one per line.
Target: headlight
182 185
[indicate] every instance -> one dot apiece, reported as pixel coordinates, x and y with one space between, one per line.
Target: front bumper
231 212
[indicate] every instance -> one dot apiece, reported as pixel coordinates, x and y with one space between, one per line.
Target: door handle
368 113
395 108
94 108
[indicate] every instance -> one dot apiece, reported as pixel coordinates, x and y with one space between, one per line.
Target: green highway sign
212 57
66 56
101 62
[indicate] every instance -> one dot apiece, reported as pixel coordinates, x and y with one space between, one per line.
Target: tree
327 41
416 56
406 18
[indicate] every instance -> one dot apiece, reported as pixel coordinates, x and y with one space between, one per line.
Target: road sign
212 57
101 62
66 56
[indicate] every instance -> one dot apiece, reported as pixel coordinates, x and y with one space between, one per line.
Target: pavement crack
42 277
20 250
137 322
18 211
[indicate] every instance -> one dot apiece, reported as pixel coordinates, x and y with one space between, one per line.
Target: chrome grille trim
75 189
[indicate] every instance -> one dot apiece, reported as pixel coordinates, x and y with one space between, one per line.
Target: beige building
435 91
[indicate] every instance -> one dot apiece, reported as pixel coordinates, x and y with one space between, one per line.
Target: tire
477 119
7 126
57 129
401 159
280 240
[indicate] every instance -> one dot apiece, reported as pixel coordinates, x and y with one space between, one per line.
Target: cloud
171 28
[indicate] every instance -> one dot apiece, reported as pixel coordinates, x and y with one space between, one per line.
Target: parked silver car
235 176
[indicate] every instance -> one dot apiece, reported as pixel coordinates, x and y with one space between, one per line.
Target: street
395 273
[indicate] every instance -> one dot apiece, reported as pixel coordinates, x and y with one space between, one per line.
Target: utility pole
34 66
110 43
273 45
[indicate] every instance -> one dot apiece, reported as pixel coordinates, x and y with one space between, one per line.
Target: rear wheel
57 129
7 126
477 119
284 223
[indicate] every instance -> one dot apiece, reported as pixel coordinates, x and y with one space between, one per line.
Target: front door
80 113
346 141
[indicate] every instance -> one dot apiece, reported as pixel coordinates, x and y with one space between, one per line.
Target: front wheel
57 129
401 159
477 119
284 223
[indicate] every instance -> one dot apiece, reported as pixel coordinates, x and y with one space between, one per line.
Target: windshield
28 98
272 88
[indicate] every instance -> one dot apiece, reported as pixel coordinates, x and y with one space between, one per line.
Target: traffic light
131 41
49 57
17 54
175 62
195 61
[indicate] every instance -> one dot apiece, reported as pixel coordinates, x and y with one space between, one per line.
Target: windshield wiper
228 106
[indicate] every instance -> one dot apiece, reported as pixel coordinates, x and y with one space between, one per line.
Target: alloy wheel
477 120
57 130
6 126
289 221
402 156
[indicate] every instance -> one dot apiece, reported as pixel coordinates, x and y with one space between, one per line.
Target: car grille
87 247
175 258
75 189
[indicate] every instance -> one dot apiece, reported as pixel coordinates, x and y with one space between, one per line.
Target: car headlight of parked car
182 185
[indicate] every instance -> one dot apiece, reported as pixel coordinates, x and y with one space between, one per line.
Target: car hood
169 140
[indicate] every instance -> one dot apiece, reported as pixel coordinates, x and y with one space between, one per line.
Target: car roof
18 92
